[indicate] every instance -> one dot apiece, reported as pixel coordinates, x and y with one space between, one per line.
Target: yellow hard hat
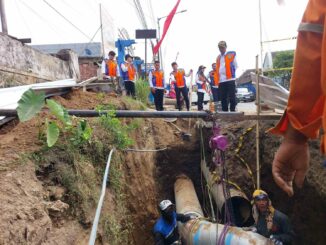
259 194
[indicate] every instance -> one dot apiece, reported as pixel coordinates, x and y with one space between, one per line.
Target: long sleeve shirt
281 229
306 105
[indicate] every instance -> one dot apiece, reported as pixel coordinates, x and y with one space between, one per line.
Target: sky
193 35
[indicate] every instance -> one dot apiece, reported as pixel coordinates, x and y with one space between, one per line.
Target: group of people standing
220 82
111 71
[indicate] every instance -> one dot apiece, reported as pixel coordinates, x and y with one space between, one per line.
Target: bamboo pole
257 125
3 17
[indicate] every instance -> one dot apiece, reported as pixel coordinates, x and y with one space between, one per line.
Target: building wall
88 69
21 64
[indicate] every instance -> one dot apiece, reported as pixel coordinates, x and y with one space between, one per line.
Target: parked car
243 94
194 97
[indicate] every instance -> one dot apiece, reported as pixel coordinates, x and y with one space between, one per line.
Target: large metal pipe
231 116
240 203
185 197
202 232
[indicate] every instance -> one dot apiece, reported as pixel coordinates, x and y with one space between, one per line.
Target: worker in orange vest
129 75
156 82
213 76
179 77
306 110
110 69
201 82
226 65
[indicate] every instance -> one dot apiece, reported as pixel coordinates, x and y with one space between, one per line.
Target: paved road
246 106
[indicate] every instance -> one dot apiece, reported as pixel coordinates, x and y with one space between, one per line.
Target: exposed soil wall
50 196
306 209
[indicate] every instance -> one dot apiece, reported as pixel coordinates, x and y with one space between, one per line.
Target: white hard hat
165 204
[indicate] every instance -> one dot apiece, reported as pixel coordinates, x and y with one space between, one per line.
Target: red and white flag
166 27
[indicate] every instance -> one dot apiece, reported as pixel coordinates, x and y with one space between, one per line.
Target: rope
217 179
100 202
238 149
146 150
203 158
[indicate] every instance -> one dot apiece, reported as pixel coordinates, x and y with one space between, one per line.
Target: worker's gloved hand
153 90
291 161
276 242
251 228
190 217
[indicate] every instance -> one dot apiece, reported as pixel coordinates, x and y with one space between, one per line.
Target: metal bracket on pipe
228 116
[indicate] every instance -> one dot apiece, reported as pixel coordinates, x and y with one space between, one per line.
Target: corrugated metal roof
82 49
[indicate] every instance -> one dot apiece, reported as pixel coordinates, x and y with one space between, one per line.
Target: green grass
142 91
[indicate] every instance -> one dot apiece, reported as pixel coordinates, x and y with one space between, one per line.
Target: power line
91 40
66 19
22 16
42 18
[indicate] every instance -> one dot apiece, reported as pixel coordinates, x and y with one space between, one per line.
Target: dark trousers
200 101
228 95
130 87
184 92
215 92
158 99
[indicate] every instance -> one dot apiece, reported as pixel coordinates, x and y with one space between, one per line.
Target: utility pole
103 50
3 17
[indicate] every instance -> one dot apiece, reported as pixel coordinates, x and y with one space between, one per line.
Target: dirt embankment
48 196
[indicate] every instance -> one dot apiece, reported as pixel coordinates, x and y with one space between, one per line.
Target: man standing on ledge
226 65
156 82
178 76
110 69
129 75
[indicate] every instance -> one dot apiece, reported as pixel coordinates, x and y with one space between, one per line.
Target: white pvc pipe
100 202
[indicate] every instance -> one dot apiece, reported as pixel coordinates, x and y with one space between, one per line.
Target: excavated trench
146 178
306 210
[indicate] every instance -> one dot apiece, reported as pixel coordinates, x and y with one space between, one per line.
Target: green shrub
142 90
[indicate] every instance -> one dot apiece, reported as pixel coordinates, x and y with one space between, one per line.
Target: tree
282 65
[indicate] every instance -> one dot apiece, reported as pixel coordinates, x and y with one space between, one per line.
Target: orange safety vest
130 74
229 66
179 78
111 68
215 81
158 78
